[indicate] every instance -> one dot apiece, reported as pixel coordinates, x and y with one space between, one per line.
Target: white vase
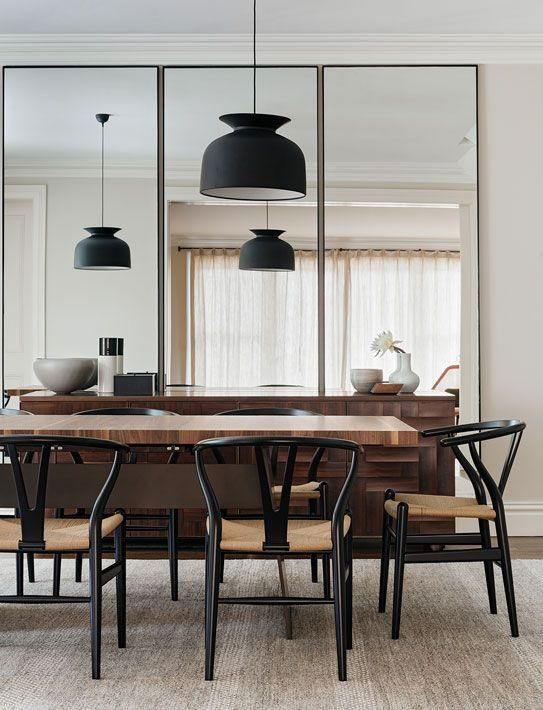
404 374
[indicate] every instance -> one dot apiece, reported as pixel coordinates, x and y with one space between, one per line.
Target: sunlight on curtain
415 294
257 328
253 328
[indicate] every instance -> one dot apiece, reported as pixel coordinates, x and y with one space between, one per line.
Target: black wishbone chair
274 533
27 458
313 492
172 516
32 532
403 507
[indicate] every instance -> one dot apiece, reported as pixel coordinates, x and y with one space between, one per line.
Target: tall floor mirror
52 191
401 224
228 327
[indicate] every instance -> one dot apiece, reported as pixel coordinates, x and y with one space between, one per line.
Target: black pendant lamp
266 251
253 162
102 250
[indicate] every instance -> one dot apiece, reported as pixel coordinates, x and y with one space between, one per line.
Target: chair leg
19 577
507 571
57 559
327 594
57 567
211 605
349 587
30 566
224 513
95 574
120 584
313 513
287 610
489 566
314 568
338 566
399 564
78 566
78 555
173 526
385 562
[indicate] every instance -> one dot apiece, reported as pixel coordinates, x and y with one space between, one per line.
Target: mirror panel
52 191
401 194
226 327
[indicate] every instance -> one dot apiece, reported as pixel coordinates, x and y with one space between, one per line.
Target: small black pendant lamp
253 162
102 251
266 251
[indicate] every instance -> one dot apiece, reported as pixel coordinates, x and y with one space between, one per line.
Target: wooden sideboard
427 468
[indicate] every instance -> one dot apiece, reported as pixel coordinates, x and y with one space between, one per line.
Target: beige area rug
452 653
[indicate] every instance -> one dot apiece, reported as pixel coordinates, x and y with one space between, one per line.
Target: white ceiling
275 16
382 125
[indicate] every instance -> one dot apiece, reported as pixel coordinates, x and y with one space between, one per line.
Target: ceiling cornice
274 49
387 173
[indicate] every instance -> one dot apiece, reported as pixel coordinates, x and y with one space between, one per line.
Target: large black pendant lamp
102 251
266 251
253 162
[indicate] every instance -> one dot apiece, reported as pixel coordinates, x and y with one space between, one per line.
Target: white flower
385 342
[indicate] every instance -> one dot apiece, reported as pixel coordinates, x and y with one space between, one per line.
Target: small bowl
63 375
363 379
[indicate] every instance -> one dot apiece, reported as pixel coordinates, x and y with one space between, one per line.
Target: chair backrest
470 436
280 385
275 412
133 411
275 516
6 412
268 412
32 515
128 411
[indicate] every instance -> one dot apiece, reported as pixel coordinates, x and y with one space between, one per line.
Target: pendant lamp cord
102 174
254 56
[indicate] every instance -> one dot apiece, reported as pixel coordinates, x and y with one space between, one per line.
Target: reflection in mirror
401 181
227 327
52 192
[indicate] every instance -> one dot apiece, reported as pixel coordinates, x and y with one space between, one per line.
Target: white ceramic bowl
66 374
363 379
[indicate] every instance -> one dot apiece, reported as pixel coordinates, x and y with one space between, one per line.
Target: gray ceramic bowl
363 379
66 374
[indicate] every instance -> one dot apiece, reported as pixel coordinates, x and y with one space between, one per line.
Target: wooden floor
522 548
526 548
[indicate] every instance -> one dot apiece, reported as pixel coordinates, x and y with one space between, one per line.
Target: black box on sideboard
135 383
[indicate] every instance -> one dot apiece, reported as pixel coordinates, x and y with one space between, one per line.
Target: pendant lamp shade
102 251
253 162
266 252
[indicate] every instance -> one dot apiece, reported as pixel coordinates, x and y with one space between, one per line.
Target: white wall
511 272
81 306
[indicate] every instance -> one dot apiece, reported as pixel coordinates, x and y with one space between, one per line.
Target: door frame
37 196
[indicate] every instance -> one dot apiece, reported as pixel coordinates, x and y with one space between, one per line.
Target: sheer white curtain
415 294
250 327
256 328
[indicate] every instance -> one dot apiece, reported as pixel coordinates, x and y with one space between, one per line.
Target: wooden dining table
153 486
142 430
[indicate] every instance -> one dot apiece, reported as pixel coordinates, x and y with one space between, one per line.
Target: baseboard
524 519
